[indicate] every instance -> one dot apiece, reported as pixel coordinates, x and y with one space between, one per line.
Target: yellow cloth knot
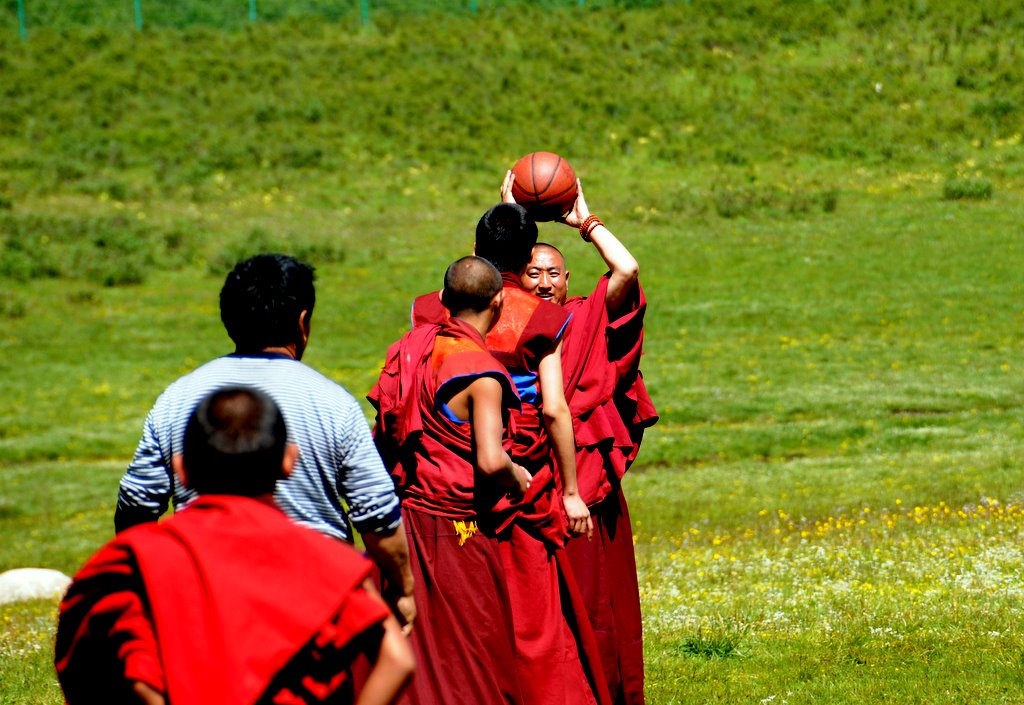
465 530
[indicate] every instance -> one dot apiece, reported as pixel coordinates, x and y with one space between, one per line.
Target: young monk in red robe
443 403
610 410
556 653
229 601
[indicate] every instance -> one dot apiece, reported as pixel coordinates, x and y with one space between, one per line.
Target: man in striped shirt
339 481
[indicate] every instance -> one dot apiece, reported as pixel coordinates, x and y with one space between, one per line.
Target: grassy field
827 211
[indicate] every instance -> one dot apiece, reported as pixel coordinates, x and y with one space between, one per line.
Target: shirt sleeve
363 482
147 484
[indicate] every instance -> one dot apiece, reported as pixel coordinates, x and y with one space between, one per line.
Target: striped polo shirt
338 477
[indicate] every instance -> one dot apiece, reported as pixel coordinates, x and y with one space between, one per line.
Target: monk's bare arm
390 551
146 694
622 265
484 397
559 424
392 669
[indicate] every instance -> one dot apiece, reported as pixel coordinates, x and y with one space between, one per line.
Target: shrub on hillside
749 199
963 188
110 250
324 250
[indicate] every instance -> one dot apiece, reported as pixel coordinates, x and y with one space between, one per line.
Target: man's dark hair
262 298
470 284
234 443
505 235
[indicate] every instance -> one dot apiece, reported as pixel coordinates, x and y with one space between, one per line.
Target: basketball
545 185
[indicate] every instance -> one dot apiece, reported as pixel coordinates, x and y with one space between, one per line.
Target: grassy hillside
737 108
826 205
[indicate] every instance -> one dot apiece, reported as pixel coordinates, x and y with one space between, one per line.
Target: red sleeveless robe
464 639
228 601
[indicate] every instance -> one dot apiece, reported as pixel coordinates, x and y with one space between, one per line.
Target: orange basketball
545 185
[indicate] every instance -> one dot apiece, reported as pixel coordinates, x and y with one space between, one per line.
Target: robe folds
228 601
464 641
605 389
610 409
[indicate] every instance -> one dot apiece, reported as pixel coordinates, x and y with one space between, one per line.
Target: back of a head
505 235
235 443
262 298
470 284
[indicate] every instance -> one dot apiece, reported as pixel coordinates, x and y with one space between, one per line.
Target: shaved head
545 275
470 284
546 247
234 443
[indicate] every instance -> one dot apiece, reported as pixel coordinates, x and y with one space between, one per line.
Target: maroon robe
228 601
464 640
610 409
557 661
528 329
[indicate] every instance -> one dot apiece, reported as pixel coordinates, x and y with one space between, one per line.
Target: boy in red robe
443 403
556 655
229 601
610 409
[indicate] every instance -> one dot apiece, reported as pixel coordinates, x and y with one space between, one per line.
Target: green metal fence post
22 27
473 6
138 15
252 10
364 11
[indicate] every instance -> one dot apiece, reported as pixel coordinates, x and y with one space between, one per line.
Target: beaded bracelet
588 226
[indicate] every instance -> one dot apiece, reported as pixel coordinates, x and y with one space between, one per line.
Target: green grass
829 509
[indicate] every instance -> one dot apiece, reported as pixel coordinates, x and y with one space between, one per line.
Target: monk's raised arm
622 266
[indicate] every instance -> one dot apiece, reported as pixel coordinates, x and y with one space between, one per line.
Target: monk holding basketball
610 408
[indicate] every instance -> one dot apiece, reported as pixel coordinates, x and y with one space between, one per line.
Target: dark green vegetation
745 104
826 206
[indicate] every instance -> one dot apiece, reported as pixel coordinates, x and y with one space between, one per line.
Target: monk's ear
291 456
495 308
178 463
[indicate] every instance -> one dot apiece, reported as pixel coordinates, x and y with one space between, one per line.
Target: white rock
32 584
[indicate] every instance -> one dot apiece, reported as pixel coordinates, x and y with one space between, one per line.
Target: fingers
506 187
580 208
581 526
405 612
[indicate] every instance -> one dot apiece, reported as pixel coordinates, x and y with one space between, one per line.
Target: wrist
398 587
589 224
